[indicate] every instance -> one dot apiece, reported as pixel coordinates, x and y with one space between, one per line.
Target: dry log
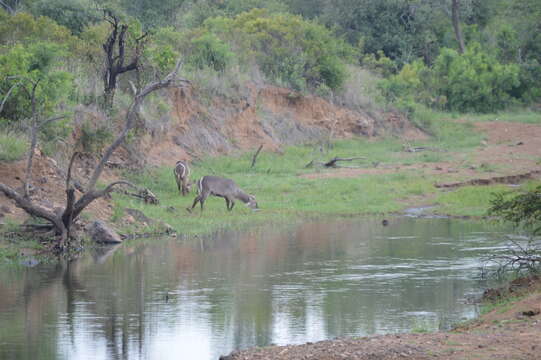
254 158
333 163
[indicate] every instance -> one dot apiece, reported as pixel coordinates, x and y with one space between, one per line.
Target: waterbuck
182 174
221 187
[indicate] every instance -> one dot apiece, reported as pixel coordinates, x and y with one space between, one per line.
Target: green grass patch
281 197
522 116
500 306
468 200
447 133
13 146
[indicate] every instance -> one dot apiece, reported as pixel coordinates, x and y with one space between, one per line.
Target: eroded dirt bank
511 331
266 115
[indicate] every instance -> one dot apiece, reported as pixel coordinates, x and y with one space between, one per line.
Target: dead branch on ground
254 158
333 163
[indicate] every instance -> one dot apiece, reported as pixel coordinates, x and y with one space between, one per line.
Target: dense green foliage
304 45
522 209
474 81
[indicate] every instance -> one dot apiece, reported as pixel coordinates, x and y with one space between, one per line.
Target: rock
168 228
138 215
171 209
129 219
6 209
101 233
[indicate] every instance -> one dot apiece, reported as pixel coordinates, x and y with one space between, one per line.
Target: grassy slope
284 196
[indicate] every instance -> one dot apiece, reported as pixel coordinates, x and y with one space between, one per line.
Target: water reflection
199 298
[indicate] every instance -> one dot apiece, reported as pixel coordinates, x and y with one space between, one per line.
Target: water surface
200 298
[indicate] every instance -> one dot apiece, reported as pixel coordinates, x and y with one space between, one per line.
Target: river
199 298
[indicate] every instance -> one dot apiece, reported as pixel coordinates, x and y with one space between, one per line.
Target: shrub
474 81
208 50
12 146
94 138
288 49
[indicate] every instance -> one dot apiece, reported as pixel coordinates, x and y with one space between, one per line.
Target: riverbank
453 173
510 328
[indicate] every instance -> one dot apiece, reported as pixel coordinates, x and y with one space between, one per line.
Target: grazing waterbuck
182 177
221 187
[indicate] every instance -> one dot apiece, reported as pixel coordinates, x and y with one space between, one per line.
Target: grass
501 305
468 200
281 197
13 146
523 116
284 195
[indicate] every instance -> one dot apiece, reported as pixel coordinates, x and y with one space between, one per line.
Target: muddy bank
509 331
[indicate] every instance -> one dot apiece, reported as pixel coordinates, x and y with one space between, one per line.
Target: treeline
467 55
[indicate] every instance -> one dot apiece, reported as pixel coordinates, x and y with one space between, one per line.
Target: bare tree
115 56
61 223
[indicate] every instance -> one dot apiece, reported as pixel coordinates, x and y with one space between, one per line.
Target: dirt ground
507 332
509 149
49 187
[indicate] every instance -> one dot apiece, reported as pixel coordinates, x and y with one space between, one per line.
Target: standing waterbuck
221 187
182 175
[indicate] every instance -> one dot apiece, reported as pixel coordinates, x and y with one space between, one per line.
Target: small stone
129 219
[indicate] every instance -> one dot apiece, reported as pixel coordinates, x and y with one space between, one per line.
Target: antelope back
217 185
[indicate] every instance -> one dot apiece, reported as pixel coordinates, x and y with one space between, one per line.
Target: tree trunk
456 25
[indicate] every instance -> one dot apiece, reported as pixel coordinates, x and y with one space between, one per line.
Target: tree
24 66
73 14
456 25
61 223
115 56
11 6
403 29
521 210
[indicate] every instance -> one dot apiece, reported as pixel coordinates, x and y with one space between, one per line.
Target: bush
13 146
474 81
288 49
94 138
208 50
